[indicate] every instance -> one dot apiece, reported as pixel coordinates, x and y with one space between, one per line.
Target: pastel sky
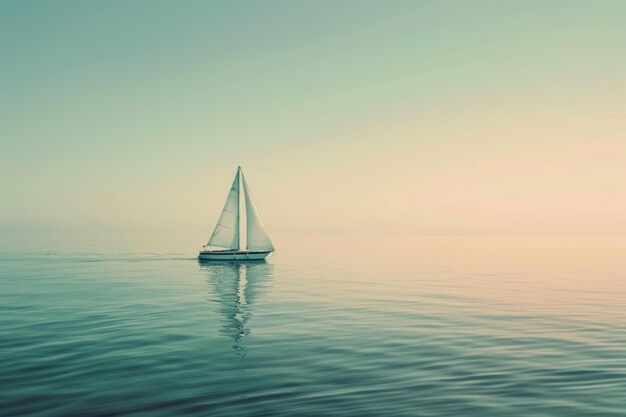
359 117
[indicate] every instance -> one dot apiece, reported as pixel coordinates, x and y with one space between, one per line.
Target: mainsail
226 233
256 235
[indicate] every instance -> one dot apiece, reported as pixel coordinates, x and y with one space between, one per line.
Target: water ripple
161 335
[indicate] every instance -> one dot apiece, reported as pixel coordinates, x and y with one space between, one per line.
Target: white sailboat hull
232 255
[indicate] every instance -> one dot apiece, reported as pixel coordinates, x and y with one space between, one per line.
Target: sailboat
226 235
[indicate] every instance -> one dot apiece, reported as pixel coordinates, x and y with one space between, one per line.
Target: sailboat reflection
236 286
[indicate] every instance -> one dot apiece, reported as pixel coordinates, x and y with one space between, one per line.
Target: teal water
418 328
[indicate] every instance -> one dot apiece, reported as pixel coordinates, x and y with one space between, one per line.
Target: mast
236 240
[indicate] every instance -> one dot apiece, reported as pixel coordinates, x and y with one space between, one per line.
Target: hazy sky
404 117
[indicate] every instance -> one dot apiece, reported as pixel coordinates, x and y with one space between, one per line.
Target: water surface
328 327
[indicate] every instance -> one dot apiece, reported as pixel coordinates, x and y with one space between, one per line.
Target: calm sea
336 326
